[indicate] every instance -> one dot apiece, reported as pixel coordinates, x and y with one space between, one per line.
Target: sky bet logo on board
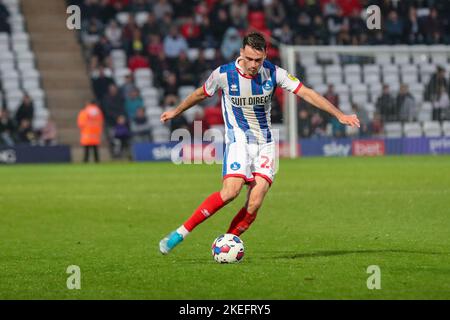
235 166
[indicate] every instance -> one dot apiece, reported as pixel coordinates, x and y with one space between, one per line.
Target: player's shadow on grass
329 253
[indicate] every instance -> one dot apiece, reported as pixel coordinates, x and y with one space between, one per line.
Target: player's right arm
193 99
207 90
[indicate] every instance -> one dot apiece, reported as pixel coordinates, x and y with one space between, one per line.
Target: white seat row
417 129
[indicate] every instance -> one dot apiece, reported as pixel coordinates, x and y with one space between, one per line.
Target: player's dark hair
255 40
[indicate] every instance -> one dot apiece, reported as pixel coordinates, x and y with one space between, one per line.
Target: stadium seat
184 91
359 88
393 129
313 70
344 98
334 78
383 59
123 17
320 88
360 98
446 128
314 80
439 58
341 88
209 53
412 129
307 59
141 18
432 129
401 58
193 54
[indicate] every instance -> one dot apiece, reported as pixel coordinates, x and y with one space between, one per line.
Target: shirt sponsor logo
267 85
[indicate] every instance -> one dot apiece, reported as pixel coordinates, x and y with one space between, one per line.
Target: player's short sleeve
287 81
212 83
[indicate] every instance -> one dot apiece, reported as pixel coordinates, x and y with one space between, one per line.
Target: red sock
244 224
208 207
238 218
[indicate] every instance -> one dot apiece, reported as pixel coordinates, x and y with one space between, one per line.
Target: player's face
253 59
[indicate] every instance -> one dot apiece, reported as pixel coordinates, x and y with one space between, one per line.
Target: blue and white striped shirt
246 101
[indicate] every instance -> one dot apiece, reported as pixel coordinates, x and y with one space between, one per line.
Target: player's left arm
321 102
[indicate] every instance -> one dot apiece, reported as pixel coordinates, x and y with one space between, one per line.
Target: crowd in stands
158 34
17 121
17 129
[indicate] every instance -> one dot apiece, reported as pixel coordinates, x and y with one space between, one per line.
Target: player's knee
230 193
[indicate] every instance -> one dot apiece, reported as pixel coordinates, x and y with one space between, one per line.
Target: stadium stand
167 48
21 79
116 30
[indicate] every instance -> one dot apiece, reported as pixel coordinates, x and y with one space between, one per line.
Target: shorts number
265 164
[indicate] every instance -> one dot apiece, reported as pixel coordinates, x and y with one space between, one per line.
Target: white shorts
246 161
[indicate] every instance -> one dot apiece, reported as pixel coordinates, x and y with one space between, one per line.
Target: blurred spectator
320 31
4 15
437 81
112 105
174 44
376 127
433 27
318 125
231 44
337 128
140 6
441 104
161 8
7 128
138 61
114 34
121 141
394 28
185 71
363 116
129 28
332 96
90 122
151 26
220 24
135 44
285 34
304 124
101 82
25 133
386 106
154 47
238 12
26 110
48 134
140 127
406 105
171 85
128 86
191 32
412 27
161 69
275 14
102 49
133 102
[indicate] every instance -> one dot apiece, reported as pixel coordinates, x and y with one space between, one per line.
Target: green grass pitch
324 221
